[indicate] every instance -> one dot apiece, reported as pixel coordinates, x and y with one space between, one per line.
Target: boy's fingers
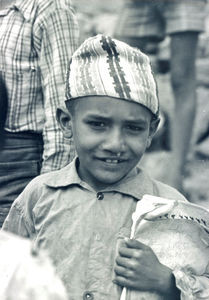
124 282
125 272
125 252
124 262
134 244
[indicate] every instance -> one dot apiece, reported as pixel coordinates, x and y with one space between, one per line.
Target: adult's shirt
37 39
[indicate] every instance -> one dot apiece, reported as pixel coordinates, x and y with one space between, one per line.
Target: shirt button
88 296
97 237
100 196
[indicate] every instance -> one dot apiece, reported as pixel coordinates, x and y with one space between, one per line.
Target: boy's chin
108 180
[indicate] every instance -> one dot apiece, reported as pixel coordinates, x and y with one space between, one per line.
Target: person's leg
184 21
183 56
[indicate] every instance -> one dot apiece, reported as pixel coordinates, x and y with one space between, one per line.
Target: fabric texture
20 162
178 233
157 18
28 274
81 229
103 66
37 39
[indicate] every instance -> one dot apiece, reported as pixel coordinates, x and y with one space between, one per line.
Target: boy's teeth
115 161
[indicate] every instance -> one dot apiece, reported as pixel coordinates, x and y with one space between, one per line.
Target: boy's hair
103 66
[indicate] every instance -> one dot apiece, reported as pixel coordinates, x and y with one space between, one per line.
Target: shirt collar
136 184
64 177
25 7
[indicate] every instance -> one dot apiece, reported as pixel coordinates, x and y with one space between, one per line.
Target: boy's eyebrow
97 117
106 118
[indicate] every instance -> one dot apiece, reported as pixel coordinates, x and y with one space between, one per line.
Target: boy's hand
137 267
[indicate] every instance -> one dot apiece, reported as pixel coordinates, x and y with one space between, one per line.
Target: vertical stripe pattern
104 66
37 39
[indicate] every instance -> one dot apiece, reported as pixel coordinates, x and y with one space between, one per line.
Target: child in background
80 212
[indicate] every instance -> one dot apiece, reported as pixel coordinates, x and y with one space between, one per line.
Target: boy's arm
20 219
15 222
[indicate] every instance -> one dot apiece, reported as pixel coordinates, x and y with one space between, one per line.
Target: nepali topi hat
103 66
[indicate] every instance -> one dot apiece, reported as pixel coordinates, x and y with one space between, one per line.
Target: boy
81 212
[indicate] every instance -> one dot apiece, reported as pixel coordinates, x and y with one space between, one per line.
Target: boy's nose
114 141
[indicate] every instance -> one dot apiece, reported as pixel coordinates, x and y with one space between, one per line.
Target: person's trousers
20 161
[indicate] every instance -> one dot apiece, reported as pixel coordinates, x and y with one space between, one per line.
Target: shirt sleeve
59 40
15 222
20 219
192 286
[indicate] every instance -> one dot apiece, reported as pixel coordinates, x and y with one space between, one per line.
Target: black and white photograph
104 150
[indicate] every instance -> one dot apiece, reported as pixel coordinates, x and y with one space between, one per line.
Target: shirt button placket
100 196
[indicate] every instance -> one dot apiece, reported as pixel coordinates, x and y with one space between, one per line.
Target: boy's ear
153 128
65 121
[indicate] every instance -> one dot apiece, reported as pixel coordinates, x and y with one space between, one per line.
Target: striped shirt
37 39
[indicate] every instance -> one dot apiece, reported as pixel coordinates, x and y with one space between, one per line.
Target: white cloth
178 233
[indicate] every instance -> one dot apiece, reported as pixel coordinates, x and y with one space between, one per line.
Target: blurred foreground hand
26 274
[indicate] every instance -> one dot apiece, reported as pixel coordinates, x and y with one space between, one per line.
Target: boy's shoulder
155 187
43 187
139 183
55 179
166 191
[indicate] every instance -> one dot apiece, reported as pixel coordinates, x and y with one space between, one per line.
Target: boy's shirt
81 228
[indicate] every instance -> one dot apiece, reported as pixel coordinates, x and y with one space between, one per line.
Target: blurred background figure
96 17
142 24
37 39
26 274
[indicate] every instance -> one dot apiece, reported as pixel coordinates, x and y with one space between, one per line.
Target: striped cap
103 66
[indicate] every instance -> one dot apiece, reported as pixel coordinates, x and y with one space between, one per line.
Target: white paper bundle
178 233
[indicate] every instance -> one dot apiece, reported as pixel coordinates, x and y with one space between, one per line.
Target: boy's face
110 137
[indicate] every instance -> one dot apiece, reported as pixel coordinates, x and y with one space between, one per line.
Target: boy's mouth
111 160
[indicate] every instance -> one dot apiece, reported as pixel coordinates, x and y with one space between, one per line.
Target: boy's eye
134 128
97 124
